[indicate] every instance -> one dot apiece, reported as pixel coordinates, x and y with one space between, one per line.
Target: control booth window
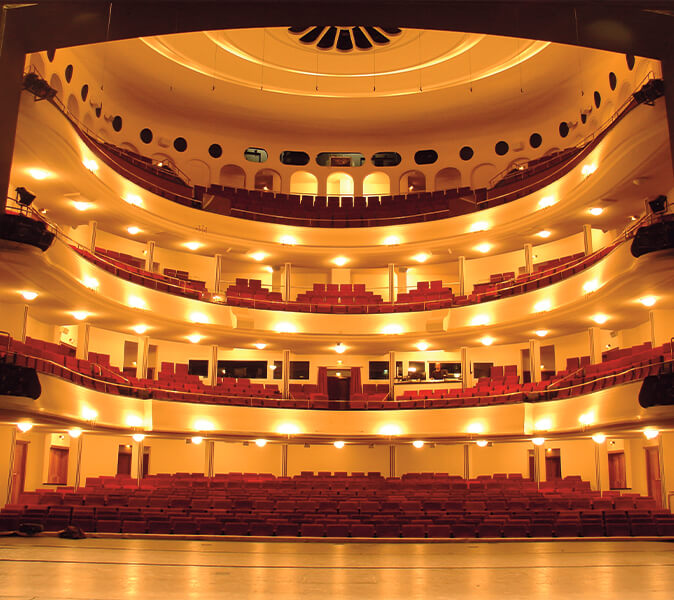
444 370
416 369
277 367
482 370
378 369
299 369
198 367
244 369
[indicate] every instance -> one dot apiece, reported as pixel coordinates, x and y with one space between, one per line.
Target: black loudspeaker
650 92
24 196
651 238
19 381
19 228
659 204
657 390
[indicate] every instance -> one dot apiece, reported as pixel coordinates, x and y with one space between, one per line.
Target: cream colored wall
577 458
637 458
359 458
99 455
636 335
6 443
668 454
12 318
35 459
443 458
499 458
234 457
175 456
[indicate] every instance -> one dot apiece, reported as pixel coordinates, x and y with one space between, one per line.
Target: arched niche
73 107
55 83
198 172
377 184
129 146
232 176
339 184
412 181
267 180
448 178
303 182
482 175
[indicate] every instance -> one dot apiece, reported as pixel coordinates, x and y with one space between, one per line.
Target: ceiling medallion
345 38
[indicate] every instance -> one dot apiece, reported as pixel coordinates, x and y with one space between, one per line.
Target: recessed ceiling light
260 443
340 348
648 300
193 245
28 295
479 226
542 306
138 437
651 433
38 174
423 346
422 257
391 240
90 282
287 240
196 439
541 332
546 202
258 256
482 443
133 230
418 443
544 234
598 438
339 444
75 432
392 329
480 320
80 315
133 199
590 286
140 329
596 211
195 338
260 345
82 206
538 441
136 302
24 426
599 318
588 169
483 248
269 269
340 261
487 340
90 164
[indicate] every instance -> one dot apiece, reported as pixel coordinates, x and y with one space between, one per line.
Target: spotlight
24 197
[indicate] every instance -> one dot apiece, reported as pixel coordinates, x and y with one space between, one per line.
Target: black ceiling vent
343 38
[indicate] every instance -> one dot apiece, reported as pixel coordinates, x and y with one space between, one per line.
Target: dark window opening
340 159
386 159
180 144
481 369
425 157
197 367
597 99
466 153
612 80
117 123
257 155
215 150
535 140
416 369
294 157
50 55
278 369
630 61
69 73
444 370
245 369
84 92
563 129
501 148
378 369
299 369
146 136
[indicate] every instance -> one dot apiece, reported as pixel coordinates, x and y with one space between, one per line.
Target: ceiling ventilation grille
345 39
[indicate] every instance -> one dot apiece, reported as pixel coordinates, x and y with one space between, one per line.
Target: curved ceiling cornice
416 61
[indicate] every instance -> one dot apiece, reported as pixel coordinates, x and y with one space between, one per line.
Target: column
587 238
286 374
149 256
213 366
661 460
141 360
529 258
93 229
24 323
391 282
402 280
284 460
391 374
10 471
537 464
595 344
651 321
392 460
535 360
466 461
209 462
462 275
465 368
82 351
218 273
139 462
287 281
661 332
78 467
597 465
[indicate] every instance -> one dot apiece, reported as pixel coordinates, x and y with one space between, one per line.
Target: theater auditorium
380 308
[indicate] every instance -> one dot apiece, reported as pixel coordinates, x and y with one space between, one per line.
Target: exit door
19 470
653 474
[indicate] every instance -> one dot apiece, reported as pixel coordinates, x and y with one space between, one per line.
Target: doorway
617 479
339 388
653 474
553 464
19 470
124 459
58 466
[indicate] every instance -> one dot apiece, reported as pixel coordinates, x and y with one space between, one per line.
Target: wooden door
553 468
19 470
653 474
616 471
124 461
58 465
